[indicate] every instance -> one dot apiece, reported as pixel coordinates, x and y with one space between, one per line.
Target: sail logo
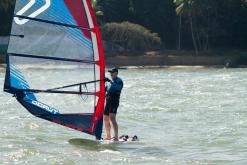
34 14
46 107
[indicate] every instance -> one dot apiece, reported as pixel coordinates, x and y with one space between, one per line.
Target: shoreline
174 60
3 67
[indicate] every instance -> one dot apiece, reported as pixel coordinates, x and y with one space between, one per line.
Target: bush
131 37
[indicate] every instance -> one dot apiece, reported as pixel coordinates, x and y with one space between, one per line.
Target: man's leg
114 124
107 127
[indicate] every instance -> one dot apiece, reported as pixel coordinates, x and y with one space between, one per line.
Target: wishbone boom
34 14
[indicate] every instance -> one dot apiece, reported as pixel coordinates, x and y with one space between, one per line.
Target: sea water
181 116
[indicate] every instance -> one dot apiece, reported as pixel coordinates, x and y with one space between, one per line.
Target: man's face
114 75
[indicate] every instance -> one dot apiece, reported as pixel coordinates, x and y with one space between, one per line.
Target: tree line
181 24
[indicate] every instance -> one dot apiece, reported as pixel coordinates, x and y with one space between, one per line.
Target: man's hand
107 80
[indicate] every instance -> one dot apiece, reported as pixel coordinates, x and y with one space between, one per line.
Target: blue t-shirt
115 87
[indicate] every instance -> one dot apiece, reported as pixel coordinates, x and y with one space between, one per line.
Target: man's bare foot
115 139
106 138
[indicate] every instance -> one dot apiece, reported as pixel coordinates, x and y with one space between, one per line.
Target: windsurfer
112 102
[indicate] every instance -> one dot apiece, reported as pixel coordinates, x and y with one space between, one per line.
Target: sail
55 63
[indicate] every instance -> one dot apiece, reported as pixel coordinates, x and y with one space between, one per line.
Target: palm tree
187 8
179 32
98 12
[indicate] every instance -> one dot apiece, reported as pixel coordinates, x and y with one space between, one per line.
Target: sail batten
54 23
53 58
58 92
57 44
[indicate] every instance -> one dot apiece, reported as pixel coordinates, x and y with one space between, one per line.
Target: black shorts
111 106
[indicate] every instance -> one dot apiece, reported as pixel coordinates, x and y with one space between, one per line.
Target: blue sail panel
79 122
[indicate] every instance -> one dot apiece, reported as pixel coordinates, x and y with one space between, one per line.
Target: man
112 103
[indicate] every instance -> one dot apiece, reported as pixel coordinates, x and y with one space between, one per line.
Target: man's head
113 72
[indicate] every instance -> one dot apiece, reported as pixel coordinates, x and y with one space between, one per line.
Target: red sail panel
78 12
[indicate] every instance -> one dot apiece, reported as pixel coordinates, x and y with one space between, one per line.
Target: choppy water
187 116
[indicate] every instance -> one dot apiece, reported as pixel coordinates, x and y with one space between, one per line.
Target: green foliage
204 24
131 37
185 7
218 23
3 49
6 4
6 9
98 12
114 10
157 15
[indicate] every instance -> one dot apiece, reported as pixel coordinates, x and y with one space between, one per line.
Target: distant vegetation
3 49
131 37
6 8
181 24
